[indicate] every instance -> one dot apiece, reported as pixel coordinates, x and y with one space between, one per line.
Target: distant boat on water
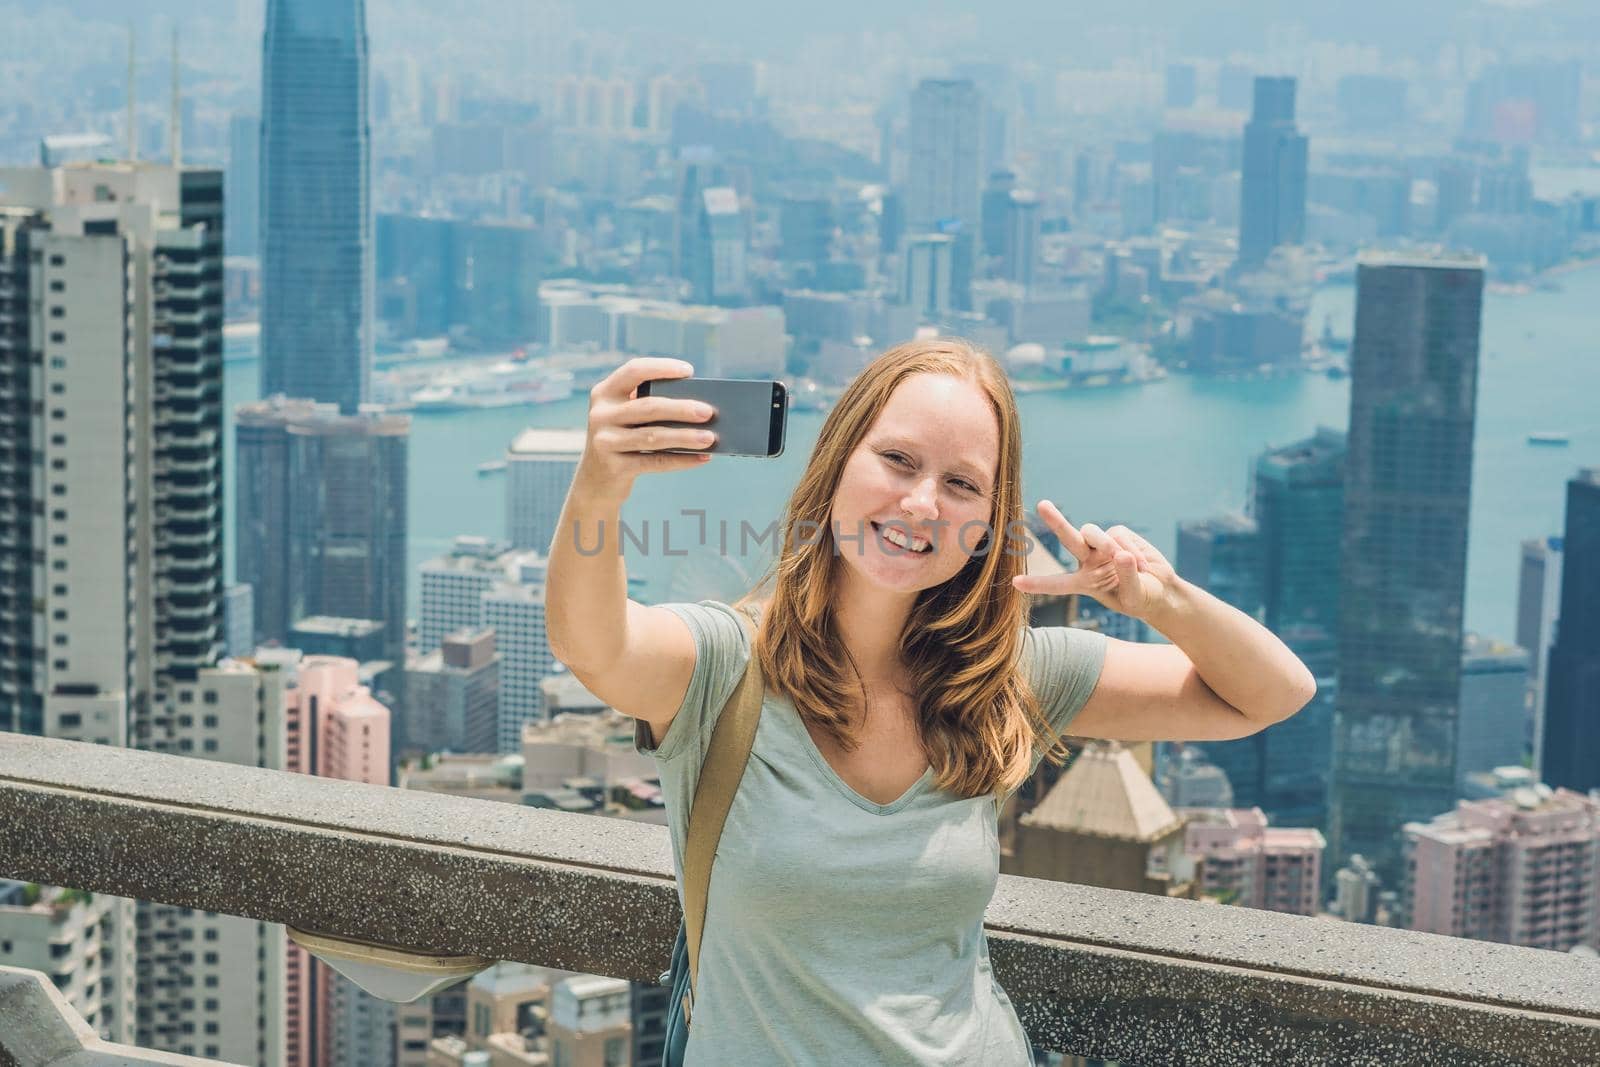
493 466
1548 438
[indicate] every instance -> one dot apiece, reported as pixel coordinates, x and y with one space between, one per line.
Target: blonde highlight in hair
977 716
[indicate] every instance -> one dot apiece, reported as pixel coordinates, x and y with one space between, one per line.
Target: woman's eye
895 457
969 487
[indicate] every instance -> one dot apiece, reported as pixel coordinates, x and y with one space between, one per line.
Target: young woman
905 692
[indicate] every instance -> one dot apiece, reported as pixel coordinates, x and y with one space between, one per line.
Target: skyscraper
1538 606
1572 679
946 178
1413 400
1272 206
1282 561
1298 504
112 548
316 212
322 516
716 266
1021 255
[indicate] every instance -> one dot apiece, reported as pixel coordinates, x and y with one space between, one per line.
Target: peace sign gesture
1117 567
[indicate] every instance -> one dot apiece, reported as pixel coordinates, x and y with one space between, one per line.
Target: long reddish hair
977 716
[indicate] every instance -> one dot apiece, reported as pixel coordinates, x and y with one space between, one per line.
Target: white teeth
895 536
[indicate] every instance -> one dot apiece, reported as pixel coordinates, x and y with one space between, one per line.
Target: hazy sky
1036 27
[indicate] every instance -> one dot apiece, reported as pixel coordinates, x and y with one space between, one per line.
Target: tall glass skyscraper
316 218
1298 502
1403 553
1282 564
1272 209
1571 755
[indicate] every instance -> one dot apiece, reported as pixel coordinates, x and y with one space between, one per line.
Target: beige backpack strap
719 779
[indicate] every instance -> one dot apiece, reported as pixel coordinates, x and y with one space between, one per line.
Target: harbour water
1143 455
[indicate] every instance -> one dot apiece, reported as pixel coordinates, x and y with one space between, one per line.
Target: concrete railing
1101 973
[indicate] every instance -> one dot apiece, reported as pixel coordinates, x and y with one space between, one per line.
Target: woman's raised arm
1224 676
627 654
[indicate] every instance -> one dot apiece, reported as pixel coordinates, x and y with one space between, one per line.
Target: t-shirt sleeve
1064 665
721 650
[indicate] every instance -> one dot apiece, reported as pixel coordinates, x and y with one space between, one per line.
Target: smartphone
751 415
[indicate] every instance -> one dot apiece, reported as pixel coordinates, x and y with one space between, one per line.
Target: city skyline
338 351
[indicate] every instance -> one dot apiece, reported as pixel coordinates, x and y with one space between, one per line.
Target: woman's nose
922 499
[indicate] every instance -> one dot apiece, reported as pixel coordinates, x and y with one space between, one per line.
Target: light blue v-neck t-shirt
840 931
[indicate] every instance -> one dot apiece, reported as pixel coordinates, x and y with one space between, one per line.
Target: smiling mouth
913 547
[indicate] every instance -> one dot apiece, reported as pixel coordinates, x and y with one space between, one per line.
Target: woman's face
925 468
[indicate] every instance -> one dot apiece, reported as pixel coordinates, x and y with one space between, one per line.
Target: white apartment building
111 574
515 609
59 933
540 465
452 586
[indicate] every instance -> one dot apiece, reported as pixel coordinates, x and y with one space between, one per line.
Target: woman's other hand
1117 567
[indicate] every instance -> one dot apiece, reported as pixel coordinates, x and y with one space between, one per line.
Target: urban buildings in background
1407 488
1093 221
316 206
112 281
1518 869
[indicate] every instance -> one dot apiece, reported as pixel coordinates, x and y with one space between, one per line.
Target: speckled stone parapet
1096 972
39 1028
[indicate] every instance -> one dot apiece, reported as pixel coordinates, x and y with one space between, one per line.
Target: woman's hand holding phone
620 445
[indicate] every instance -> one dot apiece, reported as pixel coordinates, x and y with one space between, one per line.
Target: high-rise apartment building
335 729
1571 755
316 210
1272 205
321 525
515 609
61 934
1520 869
213 985
452 586
1246 862
111 537
540 465
1408 479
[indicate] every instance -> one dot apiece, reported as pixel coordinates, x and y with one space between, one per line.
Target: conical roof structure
1105 793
